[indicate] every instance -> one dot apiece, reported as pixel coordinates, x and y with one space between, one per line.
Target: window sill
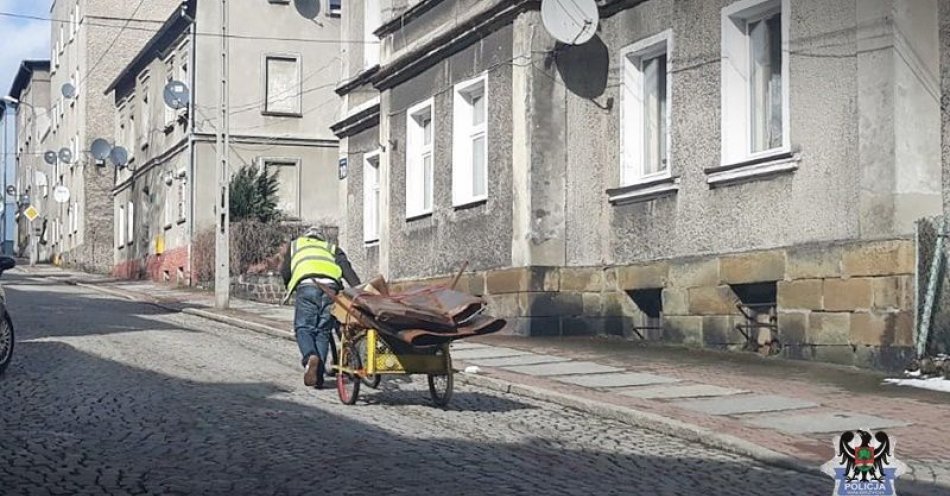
645 191
180 221
271 113
371 243
418 216
757 168
472 203
168 226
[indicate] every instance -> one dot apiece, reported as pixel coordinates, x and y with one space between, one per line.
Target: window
129 138
371 22
288 177
171 193
371 203
335 7
120 227
419 159
146 110
755 108
169 76
131 222
470 142
282 85
182 195
644 114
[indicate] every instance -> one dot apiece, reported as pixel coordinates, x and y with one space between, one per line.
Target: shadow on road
72 422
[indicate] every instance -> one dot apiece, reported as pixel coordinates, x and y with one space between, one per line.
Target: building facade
281 100
31 90
90 43
731 174
8 146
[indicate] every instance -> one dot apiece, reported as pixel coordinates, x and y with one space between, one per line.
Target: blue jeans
313 323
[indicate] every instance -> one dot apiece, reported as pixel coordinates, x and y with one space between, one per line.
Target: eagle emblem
864 464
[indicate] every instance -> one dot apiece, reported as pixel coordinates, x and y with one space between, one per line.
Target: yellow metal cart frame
364 357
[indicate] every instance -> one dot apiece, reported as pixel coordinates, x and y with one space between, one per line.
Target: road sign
61 194
32 213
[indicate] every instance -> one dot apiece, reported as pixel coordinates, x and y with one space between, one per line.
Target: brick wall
169 267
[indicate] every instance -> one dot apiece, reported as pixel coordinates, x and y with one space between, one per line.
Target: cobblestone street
106 396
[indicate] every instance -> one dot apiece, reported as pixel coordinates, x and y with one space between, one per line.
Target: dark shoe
312 376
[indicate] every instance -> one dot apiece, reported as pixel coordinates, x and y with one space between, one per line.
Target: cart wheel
441 385
371 381
348 385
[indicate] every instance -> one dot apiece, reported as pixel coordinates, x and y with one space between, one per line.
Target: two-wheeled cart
365 354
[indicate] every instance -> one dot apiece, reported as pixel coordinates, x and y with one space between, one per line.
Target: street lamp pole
34 246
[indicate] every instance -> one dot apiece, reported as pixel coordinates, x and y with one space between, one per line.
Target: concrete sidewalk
775 410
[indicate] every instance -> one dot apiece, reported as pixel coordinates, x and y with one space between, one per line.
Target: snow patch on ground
934 384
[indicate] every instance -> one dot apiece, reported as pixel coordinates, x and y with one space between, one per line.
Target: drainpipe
191 146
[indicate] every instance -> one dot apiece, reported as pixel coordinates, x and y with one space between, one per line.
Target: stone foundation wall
267 288
849 303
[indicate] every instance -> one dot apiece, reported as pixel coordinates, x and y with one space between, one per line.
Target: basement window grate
757 303
650 303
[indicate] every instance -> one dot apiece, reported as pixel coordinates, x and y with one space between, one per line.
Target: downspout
191 147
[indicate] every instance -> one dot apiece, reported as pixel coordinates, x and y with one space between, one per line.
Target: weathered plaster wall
945 99
480 233
844 94
365 258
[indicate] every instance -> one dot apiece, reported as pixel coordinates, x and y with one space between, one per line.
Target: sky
22 38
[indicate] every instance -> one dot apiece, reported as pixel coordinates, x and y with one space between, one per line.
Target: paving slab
613 380
563 368
753 403
487 352
531 359
685 391
835 422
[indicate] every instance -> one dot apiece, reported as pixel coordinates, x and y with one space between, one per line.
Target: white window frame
120 226
463 134
298 95
145 110
130 210
632 146
181 202
371 45
296 163
416 151
736 125
170 69
372 214
335 10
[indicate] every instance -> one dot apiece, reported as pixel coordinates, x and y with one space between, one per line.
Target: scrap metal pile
427 316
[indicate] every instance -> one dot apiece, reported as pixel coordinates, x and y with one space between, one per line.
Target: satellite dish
69 91
119 156
61 194
176 95
570 21
66 155
100 149
308 9
50 157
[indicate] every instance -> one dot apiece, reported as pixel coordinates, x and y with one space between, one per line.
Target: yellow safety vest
311 257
